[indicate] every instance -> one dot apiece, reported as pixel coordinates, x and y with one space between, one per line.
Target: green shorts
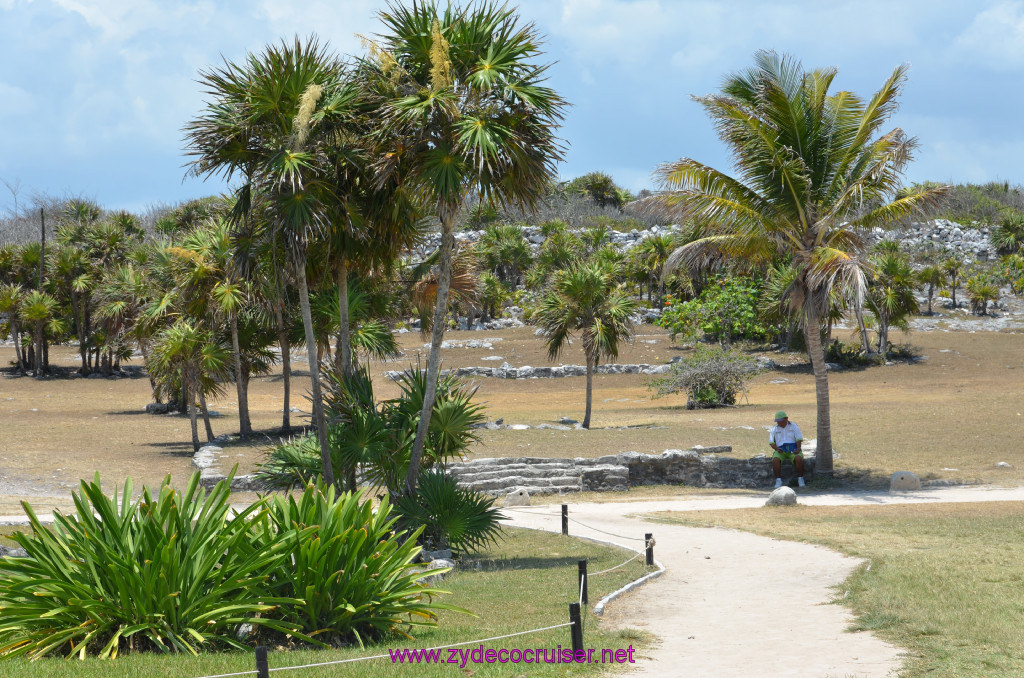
786 457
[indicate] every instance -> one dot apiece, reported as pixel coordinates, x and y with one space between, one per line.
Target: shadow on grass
484 564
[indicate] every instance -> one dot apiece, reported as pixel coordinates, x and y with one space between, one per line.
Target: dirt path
733 604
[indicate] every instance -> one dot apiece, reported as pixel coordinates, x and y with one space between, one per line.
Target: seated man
786 438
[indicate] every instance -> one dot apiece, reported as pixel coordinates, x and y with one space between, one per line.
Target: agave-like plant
352 571
169 571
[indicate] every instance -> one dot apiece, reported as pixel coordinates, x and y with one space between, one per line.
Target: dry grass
960 410
945 580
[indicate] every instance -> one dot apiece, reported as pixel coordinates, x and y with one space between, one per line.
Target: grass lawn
527 581
944 581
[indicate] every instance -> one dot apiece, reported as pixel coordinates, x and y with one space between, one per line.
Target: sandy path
736 605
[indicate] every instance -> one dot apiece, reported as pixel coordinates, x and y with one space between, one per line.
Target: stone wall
507 371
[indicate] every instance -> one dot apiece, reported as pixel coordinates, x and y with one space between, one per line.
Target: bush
725 311
172 573
849 355
710 377
450 516
351 575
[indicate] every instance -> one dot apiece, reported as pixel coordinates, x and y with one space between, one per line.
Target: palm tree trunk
244 425
883 335
206 416
812 336
286 367
344 352
39 350
859 312
590 391
314 375
18 348
191 403
79 330
437 336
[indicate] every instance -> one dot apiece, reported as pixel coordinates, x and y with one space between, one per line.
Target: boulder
1002 464
783 496
13 552
902 481
517 498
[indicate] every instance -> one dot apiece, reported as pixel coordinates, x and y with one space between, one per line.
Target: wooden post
576 630
565 519
582 581
650 549
262 668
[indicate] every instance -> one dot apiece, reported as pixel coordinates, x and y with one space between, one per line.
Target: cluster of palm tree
346 158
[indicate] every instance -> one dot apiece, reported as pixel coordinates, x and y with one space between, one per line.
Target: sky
94 93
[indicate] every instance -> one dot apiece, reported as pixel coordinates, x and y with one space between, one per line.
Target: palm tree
585 299
261 123
1008 235
931 277
37 309
10 302
464 111
812 168
890 296
954 268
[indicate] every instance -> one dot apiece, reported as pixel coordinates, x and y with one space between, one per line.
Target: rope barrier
610 534
381 656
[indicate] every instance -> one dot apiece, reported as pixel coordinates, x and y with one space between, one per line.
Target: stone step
507 483
528 471
506 461
551 489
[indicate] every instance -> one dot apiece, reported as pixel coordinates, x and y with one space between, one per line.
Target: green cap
780 415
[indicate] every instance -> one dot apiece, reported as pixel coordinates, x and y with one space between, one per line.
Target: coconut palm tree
811 169
585 299
464 113
261 124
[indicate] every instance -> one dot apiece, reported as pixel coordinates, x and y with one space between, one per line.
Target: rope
532 513
610 534
381 656
647 545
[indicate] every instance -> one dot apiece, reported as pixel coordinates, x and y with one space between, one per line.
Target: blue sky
94 93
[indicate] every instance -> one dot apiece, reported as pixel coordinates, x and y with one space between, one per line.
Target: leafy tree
464 112
812 169
724 311
584 299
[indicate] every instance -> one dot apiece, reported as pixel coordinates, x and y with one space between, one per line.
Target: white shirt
790 434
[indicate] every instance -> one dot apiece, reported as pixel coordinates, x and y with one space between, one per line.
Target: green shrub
849 355
293 463
172 573
351 573
726 310
451 516
710 377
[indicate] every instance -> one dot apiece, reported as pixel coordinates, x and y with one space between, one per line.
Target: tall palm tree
261 123
37 309
812 167
464 112
585 299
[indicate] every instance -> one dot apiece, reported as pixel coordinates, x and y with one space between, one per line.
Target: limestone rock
517 498
1002 464
783 496
902 481
13 552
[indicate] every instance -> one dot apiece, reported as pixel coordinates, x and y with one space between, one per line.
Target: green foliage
174 572
1008 235
849 355
983 203
981 289
710 376
1012 272
292 463
600 188
504 252
351 573
891 286
726 310
451 516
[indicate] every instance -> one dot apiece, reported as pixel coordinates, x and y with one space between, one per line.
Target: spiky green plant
450 516
351 575
170 571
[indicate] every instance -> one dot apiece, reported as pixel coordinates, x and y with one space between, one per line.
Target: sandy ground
735 605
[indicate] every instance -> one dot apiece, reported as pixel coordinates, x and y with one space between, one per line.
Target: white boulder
783 496
902 481
517 498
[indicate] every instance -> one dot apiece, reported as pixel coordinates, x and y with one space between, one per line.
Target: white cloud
15 100
995 37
